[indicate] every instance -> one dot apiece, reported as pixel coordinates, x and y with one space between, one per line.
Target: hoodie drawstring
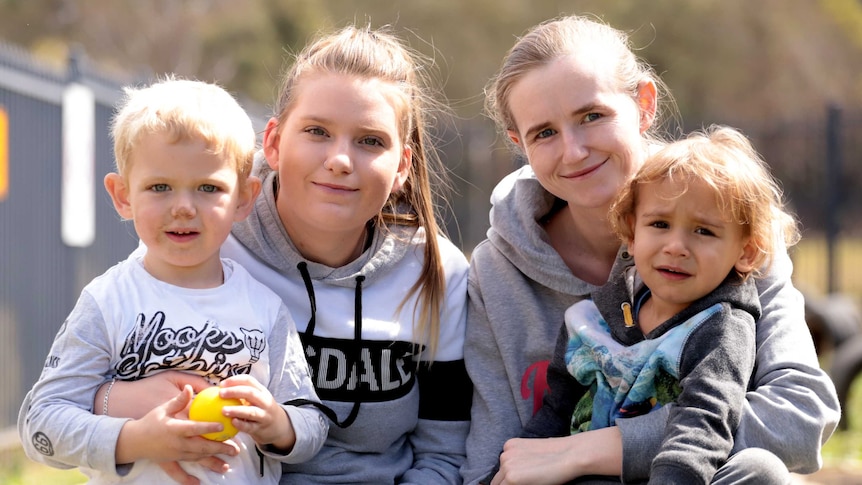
306 278
357 336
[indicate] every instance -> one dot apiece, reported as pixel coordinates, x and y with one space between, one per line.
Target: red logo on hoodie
539 374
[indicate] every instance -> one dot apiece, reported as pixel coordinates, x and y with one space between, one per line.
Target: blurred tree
769 67
725 60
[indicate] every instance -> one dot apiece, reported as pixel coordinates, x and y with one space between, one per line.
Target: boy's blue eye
208 188
160 188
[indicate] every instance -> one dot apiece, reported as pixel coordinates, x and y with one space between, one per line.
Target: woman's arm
792 407
444 392
559 460
134 399
549 453
494 413
289 379
444 413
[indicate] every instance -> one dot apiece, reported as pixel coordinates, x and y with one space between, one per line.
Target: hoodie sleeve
444 411
290 379
56 424
791 407
445 393
493 404
715 367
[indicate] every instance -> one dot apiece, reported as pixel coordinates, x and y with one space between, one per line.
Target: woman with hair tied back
345 232
585 113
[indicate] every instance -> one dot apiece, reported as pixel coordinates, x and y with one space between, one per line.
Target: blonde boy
184 153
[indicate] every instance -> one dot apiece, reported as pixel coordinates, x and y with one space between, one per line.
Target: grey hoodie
395 418
519 289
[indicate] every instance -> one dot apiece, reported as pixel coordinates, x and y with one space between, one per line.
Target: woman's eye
371 141
160 188
208 188
315 131
592 117
545 133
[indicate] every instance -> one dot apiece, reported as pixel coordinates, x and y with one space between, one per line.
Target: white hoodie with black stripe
396 419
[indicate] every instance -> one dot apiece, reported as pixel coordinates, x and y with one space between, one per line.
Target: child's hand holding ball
207 406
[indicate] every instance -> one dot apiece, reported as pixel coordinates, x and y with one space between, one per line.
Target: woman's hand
546 461
134 399
162 435
262 417
535 461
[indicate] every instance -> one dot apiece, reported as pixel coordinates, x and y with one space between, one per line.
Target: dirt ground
836 475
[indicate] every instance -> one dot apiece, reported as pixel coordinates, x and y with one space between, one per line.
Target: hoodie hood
518 205
263 234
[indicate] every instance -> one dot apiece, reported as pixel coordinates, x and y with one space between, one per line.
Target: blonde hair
564 36
184 110
725 160
378 54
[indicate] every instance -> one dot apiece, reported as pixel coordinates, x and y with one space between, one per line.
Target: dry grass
17 469
810 272
842 454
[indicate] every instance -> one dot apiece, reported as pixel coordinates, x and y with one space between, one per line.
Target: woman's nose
338 158
574 145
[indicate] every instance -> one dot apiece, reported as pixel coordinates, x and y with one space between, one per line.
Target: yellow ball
207 406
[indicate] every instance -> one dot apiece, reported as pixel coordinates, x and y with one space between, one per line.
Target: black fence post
833 191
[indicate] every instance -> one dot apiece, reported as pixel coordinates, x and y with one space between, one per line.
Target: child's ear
745 263
403 169
630 237
119 192
246 198
270 143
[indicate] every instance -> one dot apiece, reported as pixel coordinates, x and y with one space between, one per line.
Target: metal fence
41 276
58 228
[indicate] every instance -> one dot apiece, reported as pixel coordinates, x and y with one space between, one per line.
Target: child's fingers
245 425
241 380
179 402
196 428
215 464
177 474
199 448
247 389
